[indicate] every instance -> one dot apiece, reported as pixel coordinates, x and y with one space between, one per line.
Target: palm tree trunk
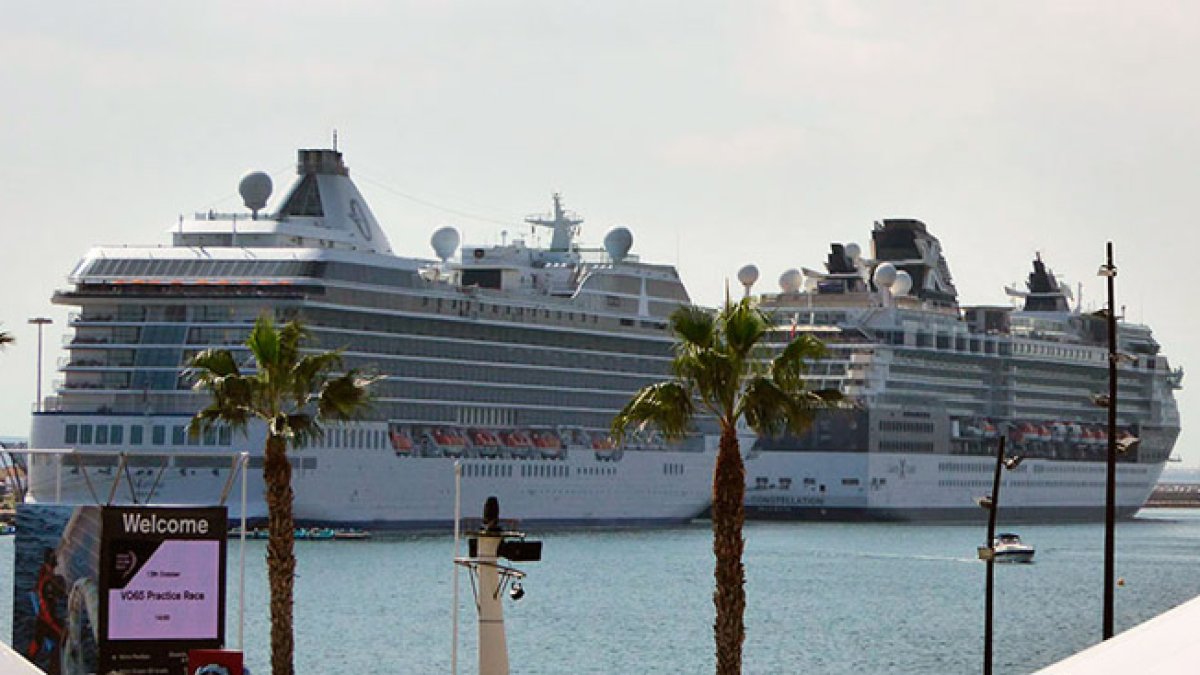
728 515
281 558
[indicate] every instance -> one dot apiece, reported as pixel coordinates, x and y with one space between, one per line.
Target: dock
1175 495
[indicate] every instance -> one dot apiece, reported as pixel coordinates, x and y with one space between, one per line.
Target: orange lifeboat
402 443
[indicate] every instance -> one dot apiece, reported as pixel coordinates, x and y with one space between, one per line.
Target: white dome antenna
885 275
903 283
255 188
617 243
445 242
789 281
853 252
747 276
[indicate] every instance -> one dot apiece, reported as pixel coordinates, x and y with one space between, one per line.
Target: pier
1175 495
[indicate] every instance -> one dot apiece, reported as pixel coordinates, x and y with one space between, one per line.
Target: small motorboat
1008 547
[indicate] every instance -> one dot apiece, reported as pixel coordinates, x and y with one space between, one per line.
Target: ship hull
379 488
920 488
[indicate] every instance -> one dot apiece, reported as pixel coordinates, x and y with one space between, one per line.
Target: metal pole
991 561
39 321
1110 487
454 609
242 559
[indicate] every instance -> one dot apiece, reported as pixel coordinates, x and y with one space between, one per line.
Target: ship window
71 434
116 434
158 435
179 435
101 434
85 433
135 434
210 436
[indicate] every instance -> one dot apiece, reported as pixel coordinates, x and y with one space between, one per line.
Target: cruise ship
508 359
936 384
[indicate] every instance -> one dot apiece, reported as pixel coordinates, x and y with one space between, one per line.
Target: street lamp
39 321
988 551
1109 271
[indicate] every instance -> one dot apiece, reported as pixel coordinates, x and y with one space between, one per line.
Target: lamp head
516 592
1127 443
1013 462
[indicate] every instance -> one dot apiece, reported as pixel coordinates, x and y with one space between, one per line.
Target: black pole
991 561
1110 487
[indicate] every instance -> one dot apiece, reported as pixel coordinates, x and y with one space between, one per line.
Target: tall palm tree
293 393
722 367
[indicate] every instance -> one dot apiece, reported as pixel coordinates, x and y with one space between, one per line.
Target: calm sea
823 598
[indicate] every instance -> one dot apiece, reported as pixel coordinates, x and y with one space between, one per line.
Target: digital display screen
171 594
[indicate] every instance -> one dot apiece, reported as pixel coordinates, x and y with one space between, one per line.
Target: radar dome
789 281
445 242
853 251
748 275
618 242
885 275
903 283
255 189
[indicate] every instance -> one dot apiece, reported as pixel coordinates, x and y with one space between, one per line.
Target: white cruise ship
936 384
512 359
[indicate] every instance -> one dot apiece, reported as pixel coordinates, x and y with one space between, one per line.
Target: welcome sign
162 581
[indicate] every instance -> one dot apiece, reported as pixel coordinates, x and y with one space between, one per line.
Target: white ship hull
893 486
378 488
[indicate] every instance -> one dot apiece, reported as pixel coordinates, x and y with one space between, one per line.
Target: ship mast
563 223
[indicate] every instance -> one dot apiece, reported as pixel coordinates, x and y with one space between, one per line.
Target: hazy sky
720 133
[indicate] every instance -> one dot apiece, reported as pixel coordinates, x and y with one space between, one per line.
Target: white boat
1008 547
935 384
511 358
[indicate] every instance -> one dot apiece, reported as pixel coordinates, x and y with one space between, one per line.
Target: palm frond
743 326
695 327
789 367
212 363
291 335
344 397
766 406
667 406
310 371
264 344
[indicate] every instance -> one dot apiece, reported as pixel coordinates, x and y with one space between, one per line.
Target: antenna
335 139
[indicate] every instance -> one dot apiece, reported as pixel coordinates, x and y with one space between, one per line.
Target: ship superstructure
935 385
511 359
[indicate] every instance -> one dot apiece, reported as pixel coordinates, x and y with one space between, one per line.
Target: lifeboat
484 442
516 442
989 429
1026 432
547 443
1044 433
448 442
606 448
402 443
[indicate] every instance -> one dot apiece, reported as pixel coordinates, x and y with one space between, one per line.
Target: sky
720 133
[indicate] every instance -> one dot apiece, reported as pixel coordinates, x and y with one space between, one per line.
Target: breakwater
1175 495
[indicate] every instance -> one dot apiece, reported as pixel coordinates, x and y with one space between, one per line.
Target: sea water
822 598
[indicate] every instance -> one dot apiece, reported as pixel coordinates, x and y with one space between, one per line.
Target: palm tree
720 366
294 393
6 338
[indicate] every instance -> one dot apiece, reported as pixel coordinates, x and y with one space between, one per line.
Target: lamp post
39 321
987 552
1109 271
